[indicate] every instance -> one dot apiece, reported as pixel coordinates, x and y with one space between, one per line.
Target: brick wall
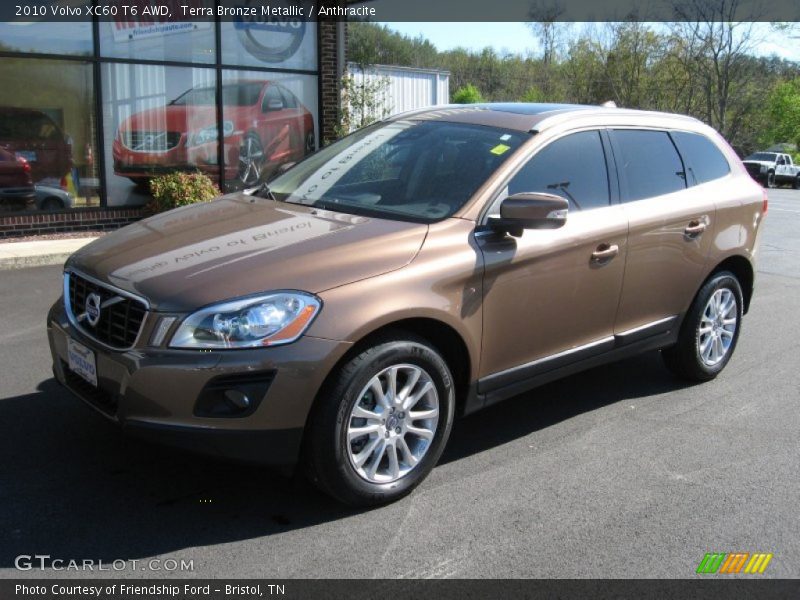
329 79
101 219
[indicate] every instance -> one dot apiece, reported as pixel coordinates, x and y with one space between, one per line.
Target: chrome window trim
74 321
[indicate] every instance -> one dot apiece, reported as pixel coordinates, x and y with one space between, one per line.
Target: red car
32 135
264 126
16 186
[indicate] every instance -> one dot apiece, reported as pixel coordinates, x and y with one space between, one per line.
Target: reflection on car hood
239 245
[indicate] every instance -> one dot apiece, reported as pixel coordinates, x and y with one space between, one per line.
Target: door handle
695 227
605 252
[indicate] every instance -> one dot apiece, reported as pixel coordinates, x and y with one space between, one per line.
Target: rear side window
703 159
573 167
648 162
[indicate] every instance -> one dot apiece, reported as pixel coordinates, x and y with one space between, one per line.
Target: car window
422 171
289 101
28 126
573 167
272 93
648 162
702 158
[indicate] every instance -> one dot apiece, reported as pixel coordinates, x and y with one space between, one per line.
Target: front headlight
257 321
210 134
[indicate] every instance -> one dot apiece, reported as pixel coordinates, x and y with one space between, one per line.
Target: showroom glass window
157 120
269 119
156 108
648 162
573 167
48 122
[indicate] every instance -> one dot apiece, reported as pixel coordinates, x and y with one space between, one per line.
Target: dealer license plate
82 361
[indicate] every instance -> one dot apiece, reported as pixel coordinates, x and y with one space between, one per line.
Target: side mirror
530 210
275 104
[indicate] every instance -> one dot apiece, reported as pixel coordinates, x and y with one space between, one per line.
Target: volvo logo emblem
271 39
93 309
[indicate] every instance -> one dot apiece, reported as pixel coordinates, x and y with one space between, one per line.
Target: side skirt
506 384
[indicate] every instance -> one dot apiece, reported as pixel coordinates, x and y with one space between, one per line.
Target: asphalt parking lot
617 472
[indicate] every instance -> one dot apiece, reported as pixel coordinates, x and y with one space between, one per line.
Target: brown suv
424 267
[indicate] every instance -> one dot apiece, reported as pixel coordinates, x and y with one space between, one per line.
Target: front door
550 296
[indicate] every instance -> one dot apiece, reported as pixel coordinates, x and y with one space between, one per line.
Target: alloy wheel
251 160
717 326
392 423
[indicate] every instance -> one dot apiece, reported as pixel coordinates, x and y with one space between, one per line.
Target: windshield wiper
263 191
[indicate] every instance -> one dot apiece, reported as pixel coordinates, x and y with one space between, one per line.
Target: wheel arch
742 268
442 336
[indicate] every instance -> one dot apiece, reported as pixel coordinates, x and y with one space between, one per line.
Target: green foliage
534 94
363 102
783 109
468 94
181 189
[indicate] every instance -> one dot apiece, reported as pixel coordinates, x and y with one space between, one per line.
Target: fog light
238 398
233 396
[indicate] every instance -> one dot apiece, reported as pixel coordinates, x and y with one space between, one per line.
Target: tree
468 94
783 109
363 101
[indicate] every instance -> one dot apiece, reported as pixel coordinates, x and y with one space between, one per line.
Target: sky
517 38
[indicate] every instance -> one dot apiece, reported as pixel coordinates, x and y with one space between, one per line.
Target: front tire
770 181
380 427
709 332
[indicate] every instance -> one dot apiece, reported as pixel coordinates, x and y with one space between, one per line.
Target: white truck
772 169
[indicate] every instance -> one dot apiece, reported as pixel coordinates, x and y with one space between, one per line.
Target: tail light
26 166
765 203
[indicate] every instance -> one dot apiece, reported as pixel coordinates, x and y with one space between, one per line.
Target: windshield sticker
500 149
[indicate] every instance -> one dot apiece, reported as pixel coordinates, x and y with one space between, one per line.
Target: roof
521 116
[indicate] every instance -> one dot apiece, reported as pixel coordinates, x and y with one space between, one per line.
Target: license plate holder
82 361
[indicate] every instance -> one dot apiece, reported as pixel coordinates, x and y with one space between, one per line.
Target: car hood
171 118
239 245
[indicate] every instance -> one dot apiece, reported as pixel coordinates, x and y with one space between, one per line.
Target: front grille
151 141
96 396
121 317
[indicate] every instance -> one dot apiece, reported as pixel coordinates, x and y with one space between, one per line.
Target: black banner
181 589
277 11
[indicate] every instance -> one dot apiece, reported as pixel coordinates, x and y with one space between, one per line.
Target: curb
19 255
41 260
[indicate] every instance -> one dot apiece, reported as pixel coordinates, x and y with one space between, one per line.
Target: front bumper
155 392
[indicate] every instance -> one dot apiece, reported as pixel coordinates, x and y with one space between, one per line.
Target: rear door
671 227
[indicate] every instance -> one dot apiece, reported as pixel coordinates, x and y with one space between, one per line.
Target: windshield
240 94
765 156
420 171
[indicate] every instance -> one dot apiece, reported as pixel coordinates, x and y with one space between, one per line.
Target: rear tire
796 182
770 182
404 432
52 203
710 330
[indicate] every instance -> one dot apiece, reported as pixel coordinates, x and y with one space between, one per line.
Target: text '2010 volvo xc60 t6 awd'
423 267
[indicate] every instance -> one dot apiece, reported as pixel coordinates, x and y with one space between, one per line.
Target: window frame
611 170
